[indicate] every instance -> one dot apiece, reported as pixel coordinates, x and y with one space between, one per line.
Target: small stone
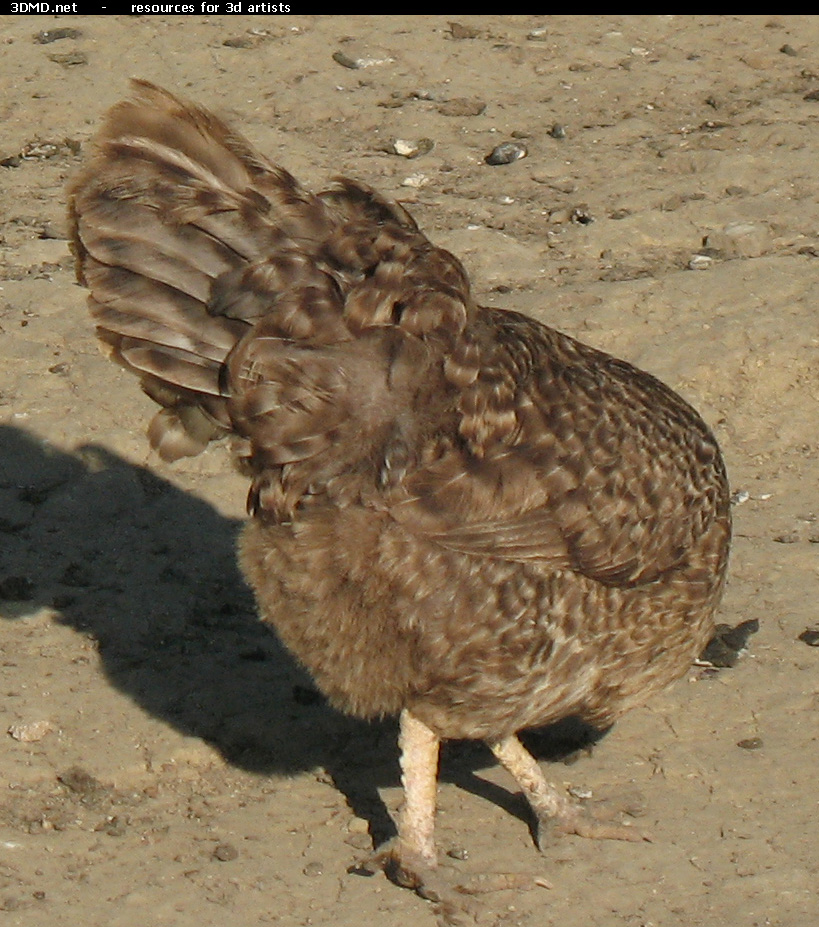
460 853
750 743
239 41
560 215
357 58
789 50
28 732
700 262
581 792
460 31
506 153
412 149
812 96
359 841
313 869
789 537
47 36
225 852
580 215
70 60
810 636
558 131
416 181
358 826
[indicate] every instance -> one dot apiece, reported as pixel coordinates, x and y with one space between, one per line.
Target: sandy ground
166 762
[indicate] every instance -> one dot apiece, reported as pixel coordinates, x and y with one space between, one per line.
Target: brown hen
458 514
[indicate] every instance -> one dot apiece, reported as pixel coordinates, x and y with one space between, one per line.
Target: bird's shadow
149 572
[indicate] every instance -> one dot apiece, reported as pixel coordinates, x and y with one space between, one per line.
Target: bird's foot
574 819
451 893
402 864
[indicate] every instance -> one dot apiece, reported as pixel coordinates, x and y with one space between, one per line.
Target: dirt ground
163 761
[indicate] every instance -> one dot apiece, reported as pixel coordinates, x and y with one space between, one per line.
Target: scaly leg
410 858
553 810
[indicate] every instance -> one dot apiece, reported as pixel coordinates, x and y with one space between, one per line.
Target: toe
582 823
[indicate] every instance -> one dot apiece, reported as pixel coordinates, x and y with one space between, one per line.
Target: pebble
700 262
581 792
558 131
460 853
357 58
225 852
47 36
28 732
70 60
359 841
314 869
416 181
460 31
506 153
810 636
358 826
750 743
412 149
581 215
239 41
790 537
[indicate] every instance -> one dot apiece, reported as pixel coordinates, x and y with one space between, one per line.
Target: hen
458 514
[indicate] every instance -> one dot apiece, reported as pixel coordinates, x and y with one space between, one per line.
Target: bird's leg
419 776
410 857
552 809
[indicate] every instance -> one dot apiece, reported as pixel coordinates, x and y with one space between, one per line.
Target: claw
582 823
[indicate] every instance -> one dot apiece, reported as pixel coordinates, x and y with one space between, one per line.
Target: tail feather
126 304
237 297
172 210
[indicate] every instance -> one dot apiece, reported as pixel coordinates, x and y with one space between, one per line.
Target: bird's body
459 514
391 603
